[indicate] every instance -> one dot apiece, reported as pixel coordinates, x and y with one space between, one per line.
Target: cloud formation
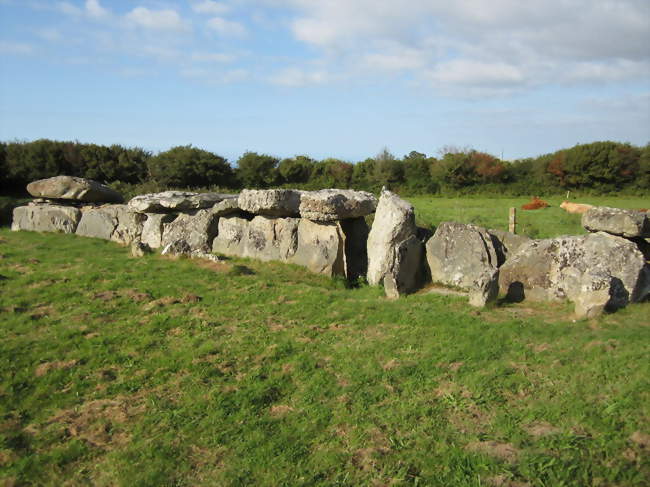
166 19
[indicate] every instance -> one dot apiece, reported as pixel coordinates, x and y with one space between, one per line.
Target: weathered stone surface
320 248
404 274
72 188
152 229
459 253
177 247
197 228
485 288
270 202
506 244
228 206
111 222
626 223
599 292
46 218
169 201
139 249
355 231
336 204
556 269
394 222
271 238
231 238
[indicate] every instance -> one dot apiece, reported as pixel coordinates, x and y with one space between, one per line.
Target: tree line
601 167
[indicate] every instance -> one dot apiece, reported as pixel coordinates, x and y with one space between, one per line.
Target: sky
327 78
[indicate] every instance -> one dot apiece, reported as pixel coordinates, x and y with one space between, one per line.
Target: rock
404 275
558 268
72 188
46 218
139 249
170 201
626 223
197 228
152 229
111 222
320 248
177 248
232 234
599 292
484 289
458 254
271 238
270 202
355 231
394 222
506 244
336 204
228 206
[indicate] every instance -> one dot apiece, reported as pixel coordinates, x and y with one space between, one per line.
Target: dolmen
326 232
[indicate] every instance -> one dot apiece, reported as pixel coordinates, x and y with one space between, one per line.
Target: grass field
143 372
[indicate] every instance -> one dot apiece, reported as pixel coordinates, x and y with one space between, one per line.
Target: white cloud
49 34
468 72
92 9
95 10
212 57
156 19
210 7
17 48
227 28
69 9
295 77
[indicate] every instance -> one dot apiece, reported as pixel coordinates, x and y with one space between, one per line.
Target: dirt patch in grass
541 428
161 302
640 439
502 451
279 410
47 367
106 295
41 312
137 296
221 267
191 298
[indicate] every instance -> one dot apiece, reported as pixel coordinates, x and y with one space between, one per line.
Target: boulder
270 202
485 288
459 253
394 222
336 204
72 188
626 223
152 229
232 234
558 268
139 249
229 206
320 248
271 238
170 201
599 292
111 222
506 244
46 218
404 274
198 228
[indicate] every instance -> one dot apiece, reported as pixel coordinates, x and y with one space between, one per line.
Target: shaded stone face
73 188
405 272
626 223
152 229
170 201
197 228
46 218
336 204
270 202
111 222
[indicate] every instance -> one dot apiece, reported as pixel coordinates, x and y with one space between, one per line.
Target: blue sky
339 78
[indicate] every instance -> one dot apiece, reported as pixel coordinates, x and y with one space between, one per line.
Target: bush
257 170
187 166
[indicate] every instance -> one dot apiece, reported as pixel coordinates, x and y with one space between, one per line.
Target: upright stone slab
231 236
46 218
152 229
270 202
336 204
405 271
459 253
320 248
558 268
506 244
198 228
73 188
394 222
626 223
271 238
111 222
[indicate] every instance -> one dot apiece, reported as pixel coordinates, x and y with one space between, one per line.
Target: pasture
153 371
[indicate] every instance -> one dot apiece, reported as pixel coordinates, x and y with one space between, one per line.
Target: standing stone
599 292
270 202
506 244
111 222
152 230
271 238
394 222
404 275
73 188
170 201
139 249
484 288
197 228
320 248
231 236
336 204
626 223
459 253
46 218
556 269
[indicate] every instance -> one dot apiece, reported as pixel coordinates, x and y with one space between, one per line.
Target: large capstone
458 254
46 218
626 223
270 202
336 204
394 223
197 228
559 268
170 201
111 222
73 188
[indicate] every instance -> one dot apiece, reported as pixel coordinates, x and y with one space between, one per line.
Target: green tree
187 166
296 170
257 170
388 170
417 174
331 173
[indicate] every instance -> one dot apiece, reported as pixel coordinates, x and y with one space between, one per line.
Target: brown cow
575 207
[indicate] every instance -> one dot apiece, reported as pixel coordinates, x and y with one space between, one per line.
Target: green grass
493 212
123 371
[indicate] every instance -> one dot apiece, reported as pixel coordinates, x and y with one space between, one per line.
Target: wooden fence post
512 221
